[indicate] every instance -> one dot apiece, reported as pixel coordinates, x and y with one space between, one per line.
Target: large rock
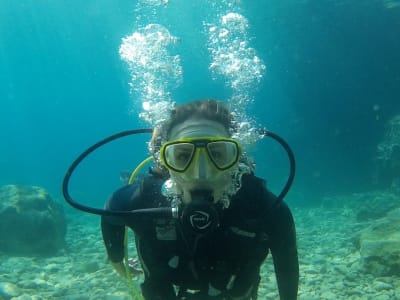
367 206
31 223
380 246
374 205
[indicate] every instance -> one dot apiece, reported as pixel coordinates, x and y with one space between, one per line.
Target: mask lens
178 156
224 154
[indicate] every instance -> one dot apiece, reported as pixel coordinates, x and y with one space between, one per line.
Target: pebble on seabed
8 290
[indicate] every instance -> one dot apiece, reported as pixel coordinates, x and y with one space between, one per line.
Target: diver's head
196 147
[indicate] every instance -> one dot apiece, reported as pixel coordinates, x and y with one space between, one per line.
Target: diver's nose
202 170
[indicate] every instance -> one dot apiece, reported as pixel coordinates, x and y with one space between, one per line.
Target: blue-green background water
332 83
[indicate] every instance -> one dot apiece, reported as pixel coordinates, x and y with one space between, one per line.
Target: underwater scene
83 83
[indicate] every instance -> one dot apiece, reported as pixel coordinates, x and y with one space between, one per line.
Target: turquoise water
64 85
328 63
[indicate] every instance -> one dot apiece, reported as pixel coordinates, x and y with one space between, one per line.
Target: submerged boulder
375 205
380 246
31 222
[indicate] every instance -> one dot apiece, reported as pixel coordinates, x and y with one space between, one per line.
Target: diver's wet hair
209 109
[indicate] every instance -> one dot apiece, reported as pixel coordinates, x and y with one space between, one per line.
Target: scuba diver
229 220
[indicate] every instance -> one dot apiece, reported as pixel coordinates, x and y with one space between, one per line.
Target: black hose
292 164
159 212
97 211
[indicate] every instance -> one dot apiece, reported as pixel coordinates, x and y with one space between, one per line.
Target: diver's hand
198 296
133 264
119 267
218 297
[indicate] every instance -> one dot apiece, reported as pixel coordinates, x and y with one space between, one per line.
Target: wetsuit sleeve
113 237
113 228
284 251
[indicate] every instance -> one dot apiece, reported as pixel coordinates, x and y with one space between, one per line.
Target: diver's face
195 169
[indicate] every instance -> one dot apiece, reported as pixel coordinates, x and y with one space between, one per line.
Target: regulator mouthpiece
200 216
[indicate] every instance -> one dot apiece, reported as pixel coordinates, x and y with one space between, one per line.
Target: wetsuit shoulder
123 198
253 198
130 197
142 194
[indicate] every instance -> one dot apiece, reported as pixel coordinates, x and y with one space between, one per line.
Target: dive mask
178 155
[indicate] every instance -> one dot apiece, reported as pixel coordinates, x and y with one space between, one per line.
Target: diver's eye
217 151
182 156
217 155
178 156
224 154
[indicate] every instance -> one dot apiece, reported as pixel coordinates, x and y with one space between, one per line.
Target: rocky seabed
330 265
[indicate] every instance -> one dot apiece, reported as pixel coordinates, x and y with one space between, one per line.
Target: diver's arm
113 237
114 245
113 228
284 252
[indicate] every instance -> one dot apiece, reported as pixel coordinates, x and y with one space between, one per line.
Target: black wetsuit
224 264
